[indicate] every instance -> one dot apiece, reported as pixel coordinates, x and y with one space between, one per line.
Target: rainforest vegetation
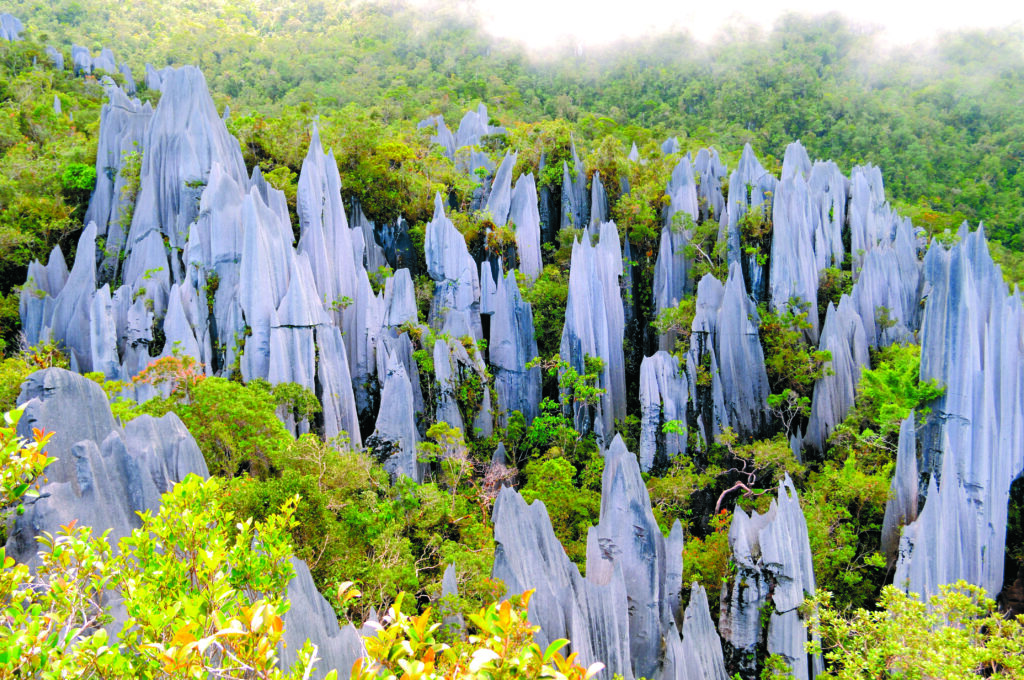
944 123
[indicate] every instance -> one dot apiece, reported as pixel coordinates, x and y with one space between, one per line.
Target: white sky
552 23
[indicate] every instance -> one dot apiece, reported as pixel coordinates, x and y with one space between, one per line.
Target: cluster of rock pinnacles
204 263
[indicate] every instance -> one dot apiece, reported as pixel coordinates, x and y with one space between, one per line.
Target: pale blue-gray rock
71 308
901 508
664 395
446 379
698 655
399 299
129 81
123 124
528 556
457 282
394 240
155 78
774 571
500 199
525 218
362 332
711 171
184 138
373 255
972 343
292 343
751 187
81 60
795 162
869 217
682 193
512 346
326 237
103 335
334 386
670 145
42 285
311 617
634 154
575 198
598 202
595 326
843 336
724 340
794 271
10 27
450 589
394 438
888 290
105 62
827 188
56 57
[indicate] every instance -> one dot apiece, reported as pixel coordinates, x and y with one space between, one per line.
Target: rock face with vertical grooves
594 326
901 508
711 171
523 214
123 123
773 570
664 392
184 138
10 27
625 613
500 199
751 187
972 343
672 275
794 271
724 346
456 305
56 57
575 199
512 346
395 436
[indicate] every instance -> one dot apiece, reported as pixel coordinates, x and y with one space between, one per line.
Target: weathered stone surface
42 285
457 284
827 188
889 286
598 202
711 171
71 308
374 256
450 588
575 199
844 338
972 343
594 326
698 655
395 437
500 199
184 138
524 216
513 345
56 57
901 508
794 271
751 187
527 556
122 129
311 617
664 393
670 145
10 27
773 556
724 340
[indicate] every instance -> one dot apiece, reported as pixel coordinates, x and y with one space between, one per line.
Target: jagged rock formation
105 474
500 199
725 362
794 270
972 343
901 508
672 276
625 613
751 187
594 327
512 346
10 27
456 306
56 57
575 199
450 588
523 214
773 570
395 437
664 391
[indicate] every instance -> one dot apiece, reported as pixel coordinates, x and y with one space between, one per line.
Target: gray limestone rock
81 60
523 214
796 162
395 437
575 198
450 588
843 336
512 346
901 508
311 617
56 57
711 171
42 285
457 283
670 145
183 140
827 188
598 202
71 308
595 326
500 199
698 655
10 27
751 187
774 570
664 394
794 271
972 343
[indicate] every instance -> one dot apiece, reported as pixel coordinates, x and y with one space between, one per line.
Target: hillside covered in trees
454 323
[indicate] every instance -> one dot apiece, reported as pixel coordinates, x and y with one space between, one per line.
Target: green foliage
547 296
203 595
708 560
502 648
678 320
958 633
21 462
790 362
572 510
832 285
